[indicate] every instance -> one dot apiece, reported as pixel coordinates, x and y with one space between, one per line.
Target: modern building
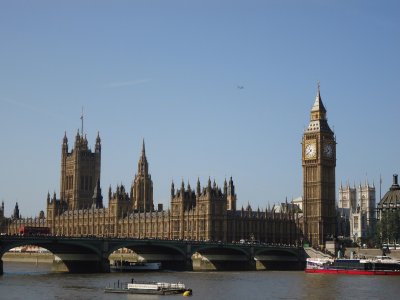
319 162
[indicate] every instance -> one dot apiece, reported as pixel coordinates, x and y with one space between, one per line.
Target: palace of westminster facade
201 213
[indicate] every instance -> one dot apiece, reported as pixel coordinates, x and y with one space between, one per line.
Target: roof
318 105
318 122
392 198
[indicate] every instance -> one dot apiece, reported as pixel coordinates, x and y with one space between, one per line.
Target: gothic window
356 223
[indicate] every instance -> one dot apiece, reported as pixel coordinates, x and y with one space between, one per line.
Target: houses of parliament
205 212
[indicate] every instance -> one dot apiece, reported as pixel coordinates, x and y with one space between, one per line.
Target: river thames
36 281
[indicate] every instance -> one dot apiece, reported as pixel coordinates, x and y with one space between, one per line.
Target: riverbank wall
48 257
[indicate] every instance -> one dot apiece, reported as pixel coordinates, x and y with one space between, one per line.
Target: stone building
357 205
206 213
319 162
80 172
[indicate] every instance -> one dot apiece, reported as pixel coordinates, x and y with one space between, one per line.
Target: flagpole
82 120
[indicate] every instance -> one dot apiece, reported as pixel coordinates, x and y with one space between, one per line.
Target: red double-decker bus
33 230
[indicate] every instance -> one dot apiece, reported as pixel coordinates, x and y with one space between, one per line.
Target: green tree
388 228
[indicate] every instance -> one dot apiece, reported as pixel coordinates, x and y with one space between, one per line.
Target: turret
77 139
97 197
230 196
16 212
231 188
98 143
225 187
65 144
198 188
172 190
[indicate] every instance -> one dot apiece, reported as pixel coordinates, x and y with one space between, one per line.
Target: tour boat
135 266
143 287
380 265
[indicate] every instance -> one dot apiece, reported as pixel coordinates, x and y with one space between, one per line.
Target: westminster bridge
91 254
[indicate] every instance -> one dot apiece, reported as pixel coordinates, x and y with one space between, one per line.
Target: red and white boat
380 265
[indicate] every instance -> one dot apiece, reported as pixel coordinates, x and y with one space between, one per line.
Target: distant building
298 202
357 205
391 200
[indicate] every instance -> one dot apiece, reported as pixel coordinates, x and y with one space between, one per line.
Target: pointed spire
98 140
172 189
225 187
142 164
97 197
98 143
198 188
16 211
143 149
318 105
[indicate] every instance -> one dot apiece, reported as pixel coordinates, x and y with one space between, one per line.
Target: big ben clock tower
319 162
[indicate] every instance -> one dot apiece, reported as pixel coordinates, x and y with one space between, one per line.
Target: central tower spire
143 166
142 186
143 149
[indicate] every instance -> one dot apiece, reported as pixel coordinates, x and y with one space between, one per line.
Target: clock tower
319 162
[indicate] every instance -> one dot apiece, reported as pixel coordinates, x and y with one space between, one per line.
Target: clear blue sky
168 71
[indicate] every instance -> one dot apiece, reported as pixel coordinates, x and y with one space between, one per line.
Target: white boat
135 266
143 287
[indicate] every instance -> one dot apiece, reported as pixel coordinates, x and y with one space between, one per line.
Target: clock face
310 151
328 150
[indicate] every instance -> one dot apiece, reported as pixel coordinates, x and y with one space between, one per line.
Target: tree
388 227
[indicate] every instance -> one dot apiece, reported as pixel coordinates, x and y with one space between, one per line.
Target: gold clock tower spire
319 162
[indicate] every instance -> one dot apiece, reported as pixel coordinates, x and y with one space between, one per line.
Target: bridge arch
171 255
216 257
70 255
278 259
